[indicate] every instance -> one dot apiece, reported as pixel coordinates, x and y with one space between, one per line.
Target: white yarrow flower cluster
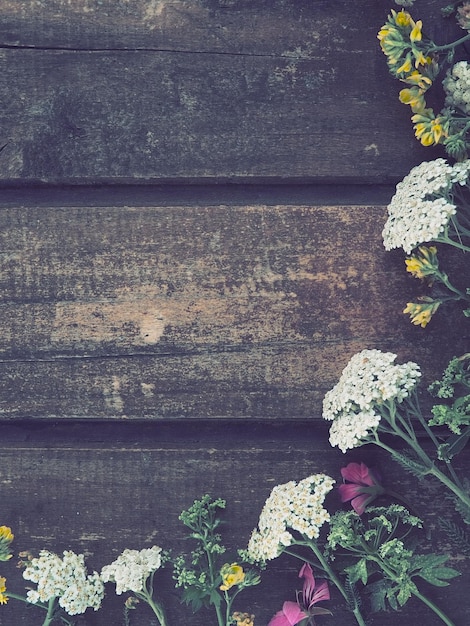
421 208
132 568
290 506
457 86
368 380
66 579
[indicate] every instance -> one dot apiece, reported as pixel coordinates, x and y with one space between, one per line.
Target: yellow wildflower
423 262
428 128
405 67
243 619
402 18
3 588
6 537
418 80
414 97
416 34
231 575
421 314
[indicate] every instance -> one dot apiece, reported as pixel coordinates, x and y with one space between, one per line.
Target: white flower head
368 380
64 578
422 206
290 507
132 568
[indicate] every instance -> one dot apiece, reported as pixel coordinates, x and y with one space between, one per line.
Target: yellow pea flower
402 18
418 79
428 128
423 262
414 97
6 537
3 588
421 314
416 34
231 575
243 619
406 66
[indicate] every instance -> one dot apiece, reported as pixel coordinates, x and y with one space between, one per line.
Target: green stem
158 610
434 608
49 607
431 469
448 46
332 576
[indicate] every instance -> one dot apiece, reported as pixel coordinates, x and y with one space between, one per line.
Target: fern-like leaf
457 536
411 465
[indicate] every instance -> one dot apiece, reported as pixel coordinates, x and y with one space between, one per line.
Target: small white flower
368 380
290 506
132 568
66 579
423 206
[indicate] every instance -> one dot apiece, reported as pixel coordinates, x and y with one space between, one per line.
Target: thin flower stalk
322 563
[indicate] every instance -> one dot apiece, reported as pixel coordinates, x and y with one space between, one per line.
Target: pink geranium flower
293 613
362 486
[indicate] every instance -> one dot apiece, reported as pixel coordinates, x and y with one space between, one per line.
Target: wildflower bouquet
376 398
432 203
373 550
416 60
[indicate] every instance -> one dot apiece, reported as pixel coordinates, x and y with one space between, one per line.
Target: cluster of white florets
291 506
368 381
132 568
422 206
66 579
457 86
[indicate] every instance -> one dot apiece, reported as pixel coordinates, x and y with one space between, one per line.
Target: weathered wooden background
193 193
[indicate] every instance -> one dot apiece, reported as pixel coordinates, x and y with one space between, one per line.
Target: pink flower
293 613
362 488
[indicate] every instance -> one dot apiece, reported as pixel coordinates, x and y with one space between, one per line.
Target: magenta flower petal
357 473
309 583
349 491
359 503
290 615
322 592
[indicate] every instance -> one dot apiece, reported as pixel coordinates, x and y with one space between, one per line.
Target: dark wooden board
100 489
138 92
216 311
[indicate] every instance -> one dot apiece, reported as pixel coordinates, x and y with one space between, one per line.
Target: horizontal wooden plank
99 490
200 90
215 311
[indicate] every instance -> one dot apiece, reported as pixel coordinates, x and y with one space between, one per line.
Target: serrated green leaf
358 572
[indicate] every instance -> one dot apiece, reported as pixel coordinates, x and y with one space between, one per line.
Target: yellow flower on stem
416 34
402 18
422 312
414 97
231 575
243 619
3 588
423 263
428 128
6 537
418 80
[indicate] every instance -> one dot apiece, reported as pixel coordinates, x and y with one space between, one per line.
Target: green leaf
358 572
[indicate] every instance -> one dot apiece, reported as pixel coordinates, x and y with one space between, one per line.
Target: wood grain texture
99 490
221 311
177 90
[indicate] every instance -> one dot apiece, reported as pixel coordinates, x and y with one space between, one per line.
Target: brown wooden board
142 91
100 489
217 311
